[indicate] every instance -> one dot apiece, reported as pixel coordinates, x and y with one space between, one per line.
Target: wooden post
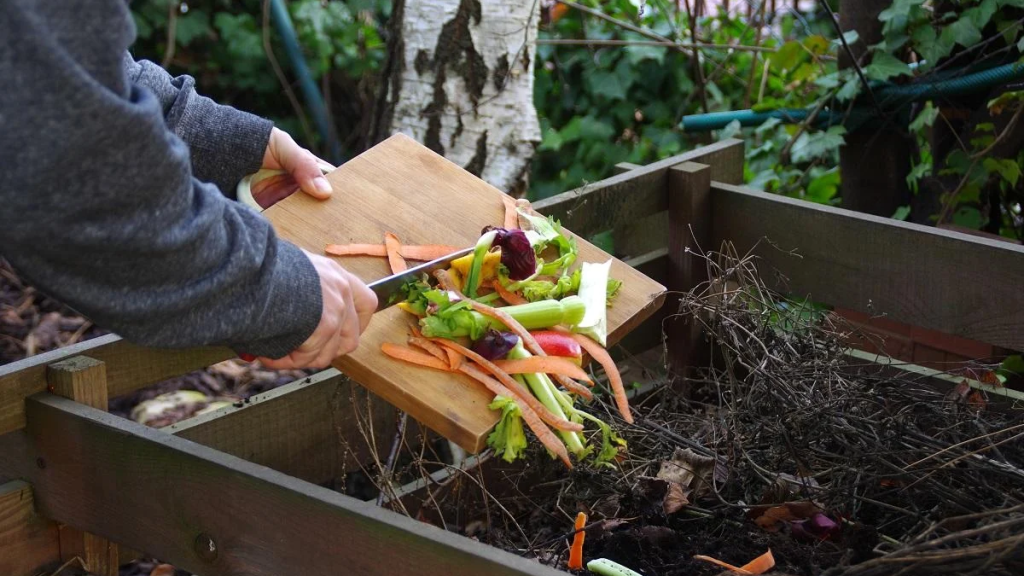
876 158
689 210
83 380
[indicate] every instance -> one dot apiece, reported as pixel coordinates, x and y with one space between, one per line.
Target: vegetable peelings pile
513 317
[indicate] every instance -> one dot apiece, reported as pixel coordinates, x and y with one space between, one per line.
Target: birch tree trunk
460 80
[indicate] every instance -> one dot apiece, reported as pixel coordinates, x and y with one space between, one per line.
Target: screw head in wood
205 548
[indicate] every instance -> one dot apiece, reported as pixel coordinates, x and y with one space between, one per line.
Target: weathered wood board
402 187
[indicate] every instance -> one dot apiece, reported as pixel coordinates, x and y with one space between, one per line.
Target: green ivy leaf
818 144
899 8
823 188
965 32
817 44
981 15
925 119
191 25
901 213
850 89
789 55
1008 169
884 66
606 85
552 140
592 128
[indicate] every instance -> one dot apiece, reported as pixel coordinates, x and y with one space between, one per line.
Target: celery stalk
594 291
479 252
533 316
544 389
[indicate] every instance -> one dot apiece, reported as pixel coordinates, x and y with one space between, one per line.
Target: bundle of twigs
793 418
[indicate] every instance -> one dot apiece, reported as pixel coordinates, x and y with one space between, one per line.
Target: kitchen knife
389 288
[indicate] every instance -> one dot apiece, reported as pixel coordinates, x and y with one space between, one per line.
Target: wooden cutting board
403 187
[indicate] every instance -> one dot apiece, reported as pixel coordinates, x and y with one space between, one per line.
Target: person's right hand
348 305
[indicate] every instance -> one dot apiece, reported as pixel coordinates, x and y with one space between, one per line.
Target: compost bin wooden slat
960 284
307 429
129 367
159 493
27 540
636 199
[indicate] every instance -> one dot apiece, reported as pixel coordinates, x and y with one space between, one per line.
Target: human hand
348 305
283 153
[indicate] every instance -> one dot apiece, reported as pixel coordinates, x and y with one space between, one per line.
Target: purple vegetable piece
495 345
817 527
516 252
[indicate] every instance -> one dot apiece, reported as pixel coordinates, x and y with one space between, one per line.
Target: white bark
470 105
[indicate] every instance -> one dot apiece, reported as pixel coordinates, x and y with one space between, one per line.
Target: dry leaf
675 498
688 469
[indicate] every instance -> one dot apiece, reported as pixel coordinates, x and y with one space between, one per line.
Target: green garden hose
890 97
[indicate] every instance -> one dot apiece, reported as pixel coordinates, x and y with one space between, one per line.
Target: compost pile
839 467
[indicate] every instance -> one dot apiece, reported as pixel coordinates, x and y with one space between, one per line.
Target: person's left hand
283 153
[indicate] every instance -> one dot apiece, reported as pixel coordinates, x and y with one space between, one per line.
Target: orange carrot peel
393 247
759 565
576 550
542 365
509 297
414 356
424 252
520 393
597 352
543 433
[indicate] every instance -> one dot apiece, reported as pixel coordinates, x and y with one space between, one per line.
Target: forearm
225 143
100 206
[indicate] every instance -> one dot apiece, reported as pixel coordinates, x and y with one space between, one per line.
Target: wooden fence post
689 210
84 380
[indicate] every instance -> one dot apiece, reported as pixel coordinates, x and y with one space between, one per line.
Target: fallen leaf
688 469
675 498
976 400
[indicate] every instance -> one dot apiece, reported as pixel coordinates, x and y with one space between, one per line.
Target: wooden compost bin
238 491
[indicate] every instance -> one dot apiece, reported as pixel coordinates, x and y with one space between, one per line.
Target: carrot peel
393 248
576 550
413 356
759 565
542 364
597 352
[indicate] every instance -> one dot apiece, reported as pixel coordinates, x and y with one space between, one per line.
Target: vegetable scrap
576 550
516 315
759 565
393 247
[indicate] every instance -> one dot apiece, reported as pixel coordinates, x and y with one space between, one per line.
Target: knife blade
389 288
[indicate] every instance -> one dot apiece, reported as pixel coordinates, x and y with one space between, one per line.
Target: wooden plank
129 367
938 279
689 201
402 187
649 333
28 542
626 197
83 380
215 514
308 429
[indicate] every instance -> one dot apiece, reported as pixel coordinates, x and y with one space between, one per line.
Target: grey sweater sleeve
99 205
225 143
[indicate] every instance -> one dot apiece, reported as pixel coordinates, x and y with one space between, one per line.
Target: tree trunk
460 80
875 161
